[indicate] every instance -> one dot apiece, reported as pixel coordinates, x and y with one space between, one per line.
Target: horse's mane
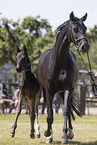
60 27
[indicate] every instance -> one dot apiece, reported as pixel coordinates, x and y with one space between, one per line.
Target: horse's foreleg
48 132
16 117
70 133
65 114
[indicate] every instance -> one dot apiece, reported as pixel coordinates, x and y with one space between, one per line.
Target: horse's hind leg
37 126
67 95
36 114
16 117
70 133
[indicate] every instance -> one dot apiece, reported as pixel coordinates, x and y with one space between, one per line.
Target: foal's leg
48 132
30 106
67 95
16 117
11 104
37 101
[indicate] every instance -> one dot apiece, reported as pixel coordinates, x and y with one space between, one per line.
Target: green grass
85 130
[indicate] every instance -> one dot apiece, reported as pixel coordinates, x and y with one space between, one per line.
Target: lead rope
94 87
89 72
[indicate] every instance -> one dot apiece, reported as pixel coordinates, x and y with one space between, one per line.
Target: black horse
29 89
58 71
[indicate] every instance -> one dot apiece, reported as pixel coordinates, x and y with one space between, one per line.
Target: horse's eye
76 29
80 29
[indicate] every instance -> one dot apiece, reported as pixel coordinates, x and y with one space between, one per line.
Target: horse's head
23 63
77 31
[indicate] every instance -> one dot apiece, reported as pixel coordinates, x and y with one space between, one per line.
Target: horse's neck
26 75
62 51
61 48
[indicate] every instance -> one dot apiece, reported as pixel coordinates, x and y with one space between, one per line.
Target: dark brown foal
29 88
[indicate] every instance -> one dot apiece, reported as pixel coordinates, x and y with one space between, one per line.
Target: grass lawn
85 130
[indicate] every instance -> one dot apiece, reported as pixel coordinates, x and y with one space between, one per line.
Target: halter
25 66
78 39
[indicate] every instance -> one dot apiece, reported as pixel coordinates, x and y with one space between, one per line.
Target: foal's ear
17 49
84 17
25 49
71 16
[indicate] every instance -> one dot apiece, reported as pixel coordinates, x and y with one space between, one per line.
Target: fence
81 94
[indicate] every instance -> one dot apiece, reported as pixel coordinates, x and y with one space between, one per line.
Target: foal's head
23 62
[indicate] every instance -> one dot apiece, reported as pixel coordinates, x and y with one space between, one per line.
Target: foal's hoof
64 141
32 136
12 135
49 139
38 135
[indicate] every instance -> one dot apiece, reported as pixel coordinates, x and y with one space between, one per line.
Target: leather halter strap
24 66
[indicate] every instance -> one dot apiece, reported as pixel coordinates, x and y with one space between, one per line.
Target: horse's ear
84 17
17 49
25 49
71 16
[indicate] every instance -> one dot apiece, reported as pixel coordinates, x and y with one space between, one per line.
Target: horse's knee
32 116
65 111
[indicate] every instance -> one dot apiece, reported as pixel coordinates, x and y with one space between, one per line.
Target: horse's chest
27 90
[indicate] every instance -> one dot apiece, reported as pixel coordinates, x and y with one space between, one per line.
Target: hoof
32 136
47 134
49 139
70 133
38 135
12 135
64 141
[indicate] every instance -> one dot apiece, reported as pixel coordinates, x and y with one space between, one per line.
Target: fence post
82 97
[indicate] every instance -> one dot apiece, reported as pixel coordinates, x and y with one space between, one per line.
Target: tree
36 33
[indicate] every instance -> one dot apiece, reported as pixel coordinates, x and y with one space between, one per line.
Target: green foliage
35 33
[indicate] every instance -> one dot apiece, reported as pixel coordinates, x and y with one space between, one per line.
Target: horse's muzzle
84 47
18 69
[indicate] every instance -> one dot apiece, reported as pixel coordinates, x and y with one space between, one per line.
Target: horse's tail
75 107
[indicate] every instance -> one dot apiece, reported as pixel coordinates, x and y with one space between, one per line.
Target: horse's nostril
18 69
85 47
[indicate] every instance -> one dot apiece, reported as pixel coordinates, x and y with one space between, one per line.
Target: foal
29 88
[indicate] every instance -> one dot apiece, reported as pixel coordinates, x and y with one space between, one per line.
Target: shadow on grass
75 143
